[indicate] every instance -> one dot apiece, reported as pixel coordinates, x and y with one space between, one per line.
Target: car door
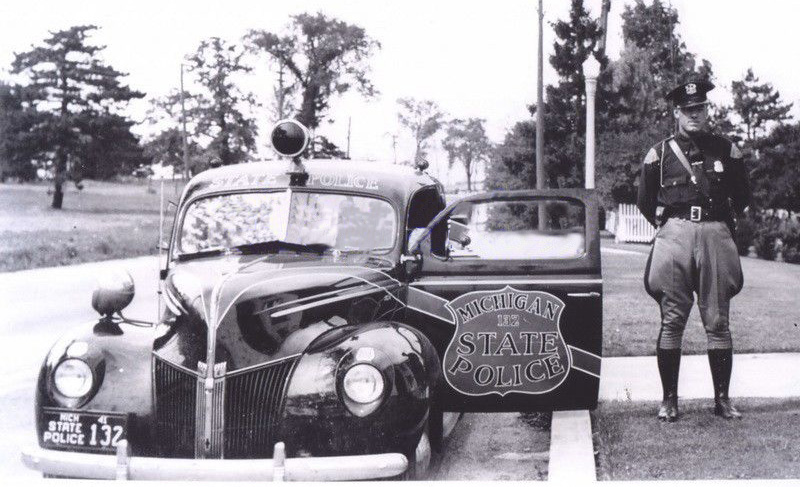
508 287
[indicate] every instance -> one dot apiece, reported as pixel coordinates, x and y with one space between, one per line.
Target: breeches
691 258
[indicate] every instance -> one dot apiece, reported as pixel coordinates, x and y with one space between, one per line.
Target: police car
327 320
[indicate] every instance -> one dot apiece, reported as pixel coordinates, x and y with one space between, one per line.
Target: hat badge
691 89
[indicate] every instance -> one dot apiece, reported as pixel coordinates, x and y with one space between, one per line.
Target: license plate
84 430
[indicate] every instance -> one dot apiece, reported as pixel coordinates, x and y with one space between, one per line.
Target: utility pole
540 121
601 49
183 137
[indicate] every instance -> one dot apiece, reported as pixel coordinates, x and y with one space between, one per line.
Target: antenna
160 249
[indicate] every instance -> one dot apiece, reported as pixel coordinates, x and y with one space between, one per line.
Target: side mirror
114 292
459 232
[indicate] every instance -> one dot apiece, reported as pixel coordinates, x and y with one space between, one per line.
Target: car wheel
435 427
441 427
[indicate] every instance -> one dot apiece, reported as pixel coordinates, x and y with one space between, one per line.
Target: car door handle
593 294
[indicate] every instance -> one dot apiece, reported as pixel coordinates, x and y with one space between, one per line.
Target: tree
775 178
423 119
757 104
216 109
653 61
325 149
652 27
510 164
467 143
166 149
112 148
69 85
577 38
17 149
324 56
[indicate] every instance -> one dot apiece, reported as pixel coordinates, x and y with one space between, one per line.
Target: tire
436 429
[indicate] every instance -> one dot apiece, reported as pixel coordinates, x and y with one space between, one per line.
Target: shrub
791 244
765 240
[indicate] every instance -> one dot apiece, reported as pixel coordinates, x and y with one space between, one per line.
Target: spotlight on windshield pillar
289 138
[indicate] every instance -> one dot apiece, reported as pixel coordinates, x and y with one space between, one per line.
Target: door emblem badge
506 340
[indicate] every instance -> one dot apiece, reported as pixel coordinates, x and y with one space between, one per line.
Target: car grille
254 401
253 406
175 398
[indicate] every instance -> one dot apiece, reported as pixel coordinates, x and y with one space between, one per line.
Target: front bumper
126 467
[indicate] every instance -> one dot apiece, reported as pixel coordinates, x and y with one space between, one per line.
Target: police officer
691 185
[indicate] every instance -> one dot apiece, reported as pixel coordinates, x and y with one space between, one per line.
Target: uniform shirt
717 165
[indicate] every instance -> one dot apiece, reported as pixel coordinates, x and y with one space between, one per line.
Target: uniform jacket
719 170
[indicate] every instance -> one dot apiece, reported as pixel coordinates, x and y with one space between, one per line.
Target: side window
517 230
426 204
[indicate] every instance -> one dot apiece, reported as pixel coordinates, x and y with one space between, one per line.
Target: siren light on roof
289 138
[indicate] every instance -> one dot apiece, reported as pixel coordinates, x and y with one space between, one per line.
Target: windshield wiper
278 245
209 252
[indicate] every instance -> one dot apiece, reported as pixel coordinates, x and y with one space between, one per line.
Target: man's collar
682 137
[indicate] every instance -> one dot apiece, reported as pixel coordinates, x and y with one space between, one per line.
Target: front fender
119 354
316 421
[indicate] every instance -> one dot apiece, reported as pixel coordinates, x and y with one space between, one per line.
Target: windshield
334 221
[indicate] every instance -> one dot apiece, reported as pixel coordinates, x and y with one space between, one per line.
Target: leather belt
694 214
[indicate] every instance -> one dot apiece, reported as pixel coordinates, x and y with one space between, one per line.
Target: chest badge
718 166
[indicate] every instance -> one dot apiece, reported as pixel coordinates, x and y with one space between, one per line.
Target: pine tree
18 141
757 104
69 86
577 39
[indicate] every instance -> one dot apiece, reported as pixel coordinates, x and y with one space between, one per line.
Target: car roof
395 182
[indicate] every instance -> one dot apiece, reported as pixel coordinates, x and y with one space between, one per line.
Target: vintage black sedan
327 320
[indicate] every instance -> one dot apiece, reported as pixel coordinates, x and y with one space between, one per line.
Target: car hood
247 311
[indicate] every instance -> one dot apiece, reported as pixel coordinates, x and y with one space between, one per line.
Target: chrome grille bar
210 413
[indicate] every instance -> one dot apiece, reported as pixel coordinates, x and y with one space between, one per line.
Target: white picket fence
628 225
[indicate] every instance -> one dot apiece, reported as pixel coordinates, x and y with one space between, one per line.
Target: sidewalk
754 375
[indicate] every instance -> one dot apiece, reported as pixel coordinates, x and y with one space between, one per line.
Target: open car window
516 230
338 221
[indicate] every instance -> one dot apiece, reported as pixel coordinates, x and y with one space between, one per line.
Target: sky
474 58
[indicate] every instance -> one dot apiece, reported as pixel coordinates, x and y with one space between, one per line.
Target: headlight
73 378
363 383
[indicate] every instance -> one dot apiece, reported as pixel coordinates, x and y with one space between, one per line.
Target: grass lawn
633 445
102 221
764 317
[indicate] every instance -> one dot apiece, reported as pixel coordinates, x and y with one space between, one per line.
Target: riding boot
721 361
669 363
